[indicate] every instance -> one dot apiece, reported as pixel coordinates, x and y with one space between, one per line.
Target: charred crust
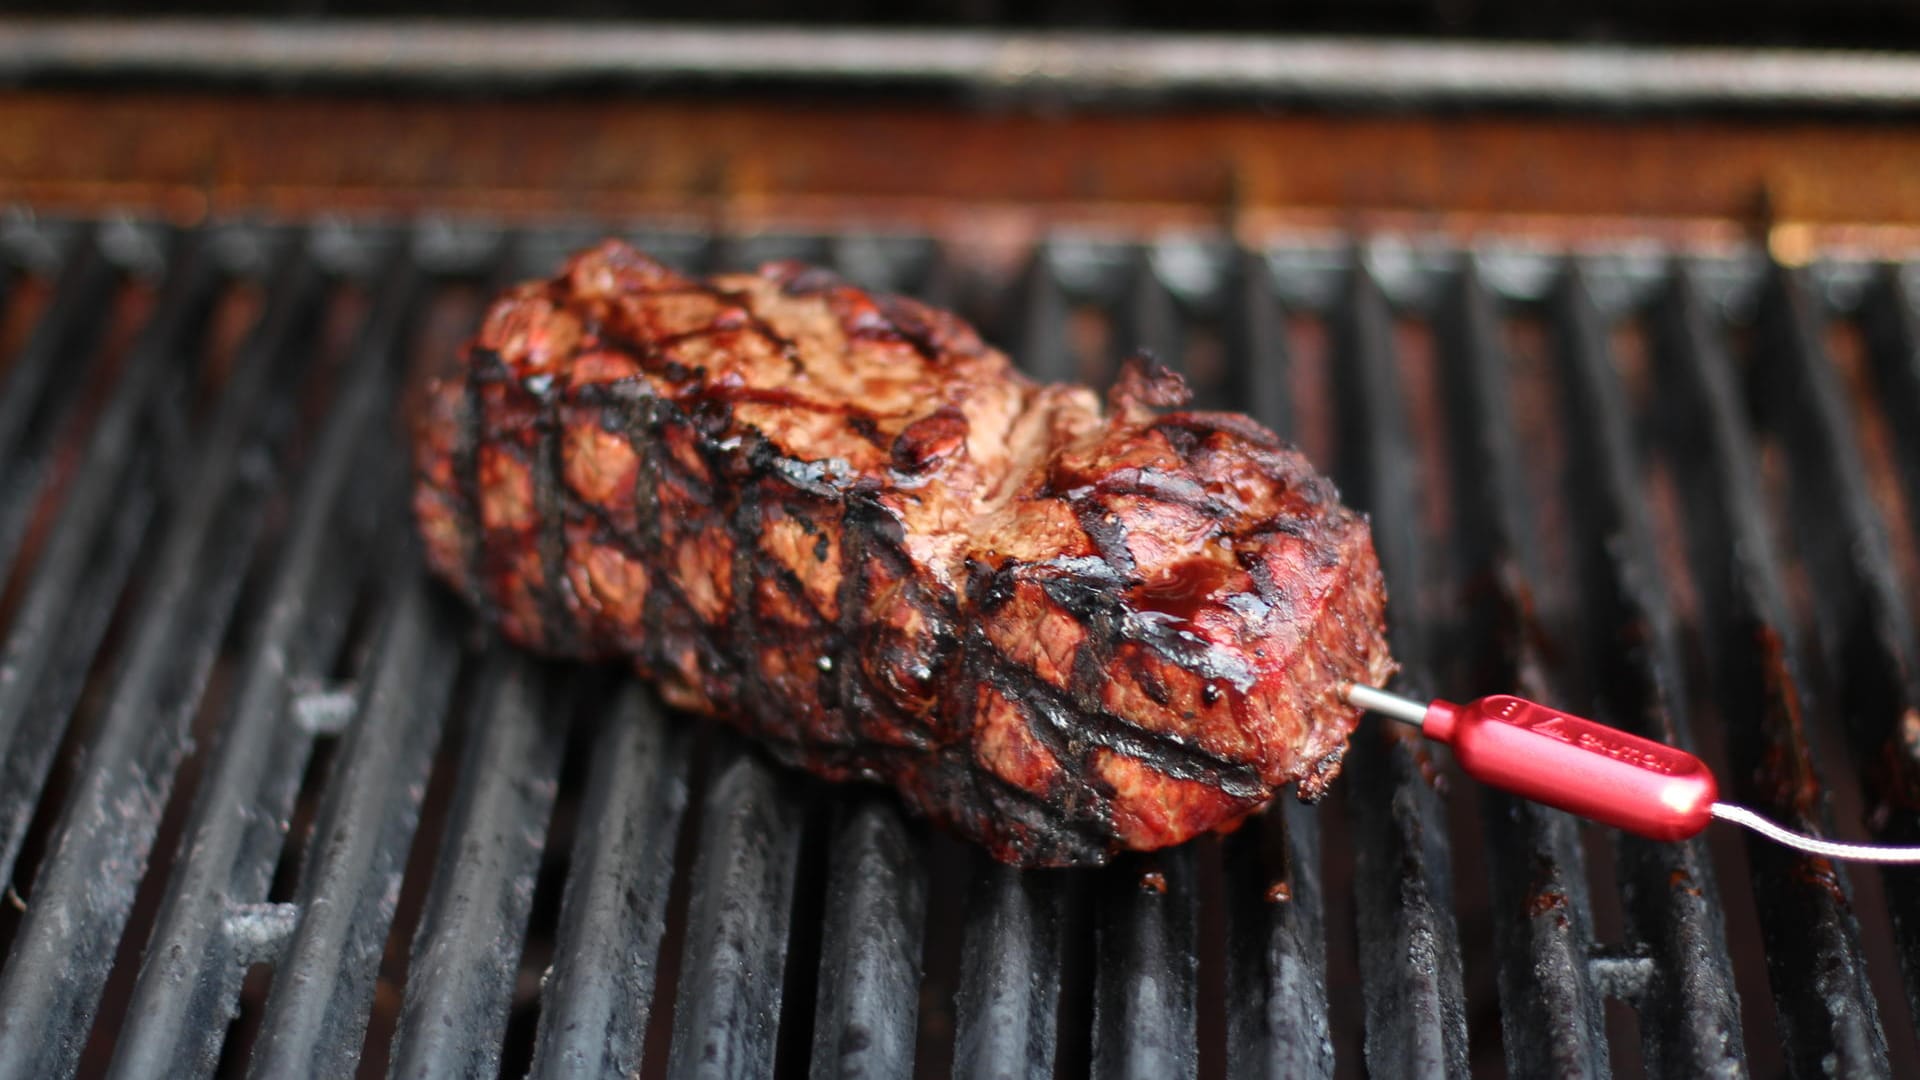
865 427
929 441
1161 486
1182 439
1312 787
1073 726
466 489
836 642
991 589
799 279
1143 380
556 613
1150 682
1198 425
1107 531
936 335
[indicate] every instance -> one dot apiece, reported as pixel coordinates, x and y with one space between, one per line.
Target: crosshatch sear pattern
841 522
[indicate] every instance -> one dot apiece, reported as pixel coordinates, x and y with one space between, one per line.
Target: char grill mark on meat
843 524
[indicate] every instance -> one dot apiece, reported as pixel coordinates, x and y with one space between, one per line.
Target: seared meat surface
841 523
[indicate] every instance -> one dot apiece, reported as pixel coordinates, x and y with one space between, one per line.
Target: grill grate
273 808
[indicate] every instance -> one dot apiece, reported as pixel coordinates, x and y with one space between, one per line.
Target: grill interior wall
241 736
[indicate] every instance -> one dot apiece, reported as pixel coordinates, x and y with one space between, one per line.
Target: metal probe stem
1374 699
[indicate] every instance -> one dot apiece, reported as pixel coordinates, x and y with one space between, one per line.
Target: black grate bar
1410 967
87 883
194 963
1146 971
1893 335
466 952
1863 620
1146 320
869 993
67 331
1257 348
1009 990
84 618
316 1013
1147 963
1542 917
595 1009
1007 999
727 1007
85 887
1689 1012
30 725
1039 327
1864 613
1821 995
63 331
348 888
1276 954
1892 328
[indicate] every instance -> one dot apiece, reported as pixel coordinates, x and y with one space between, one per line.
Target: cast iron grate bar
33 413
316 1011
1410 966
598 1002
1543 922
196 957
1825 1006
870 949
85 887
1277 1022
38 712
1146 962
466 948
1009 990
727 1006
496 766
1276 993
1689 1013
466 951
1037 334
63 328
1864 614
1892 328
42 683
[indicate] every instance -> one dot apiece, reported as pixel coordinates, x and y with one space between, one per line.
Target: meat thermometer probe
1600 773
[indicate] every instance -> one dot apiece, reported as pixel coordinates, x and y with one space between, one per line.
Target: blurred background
1609 316
1573 118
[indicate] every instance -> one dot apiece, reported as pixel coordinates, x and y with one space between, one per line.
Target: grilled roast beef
841 523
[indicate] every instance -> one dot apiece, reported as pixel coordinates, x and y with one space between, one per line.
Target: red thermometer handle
1601 773
1564 761
1574 764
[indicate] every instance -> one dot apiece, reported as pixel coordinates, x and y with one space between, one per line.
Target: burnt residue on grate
273 806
